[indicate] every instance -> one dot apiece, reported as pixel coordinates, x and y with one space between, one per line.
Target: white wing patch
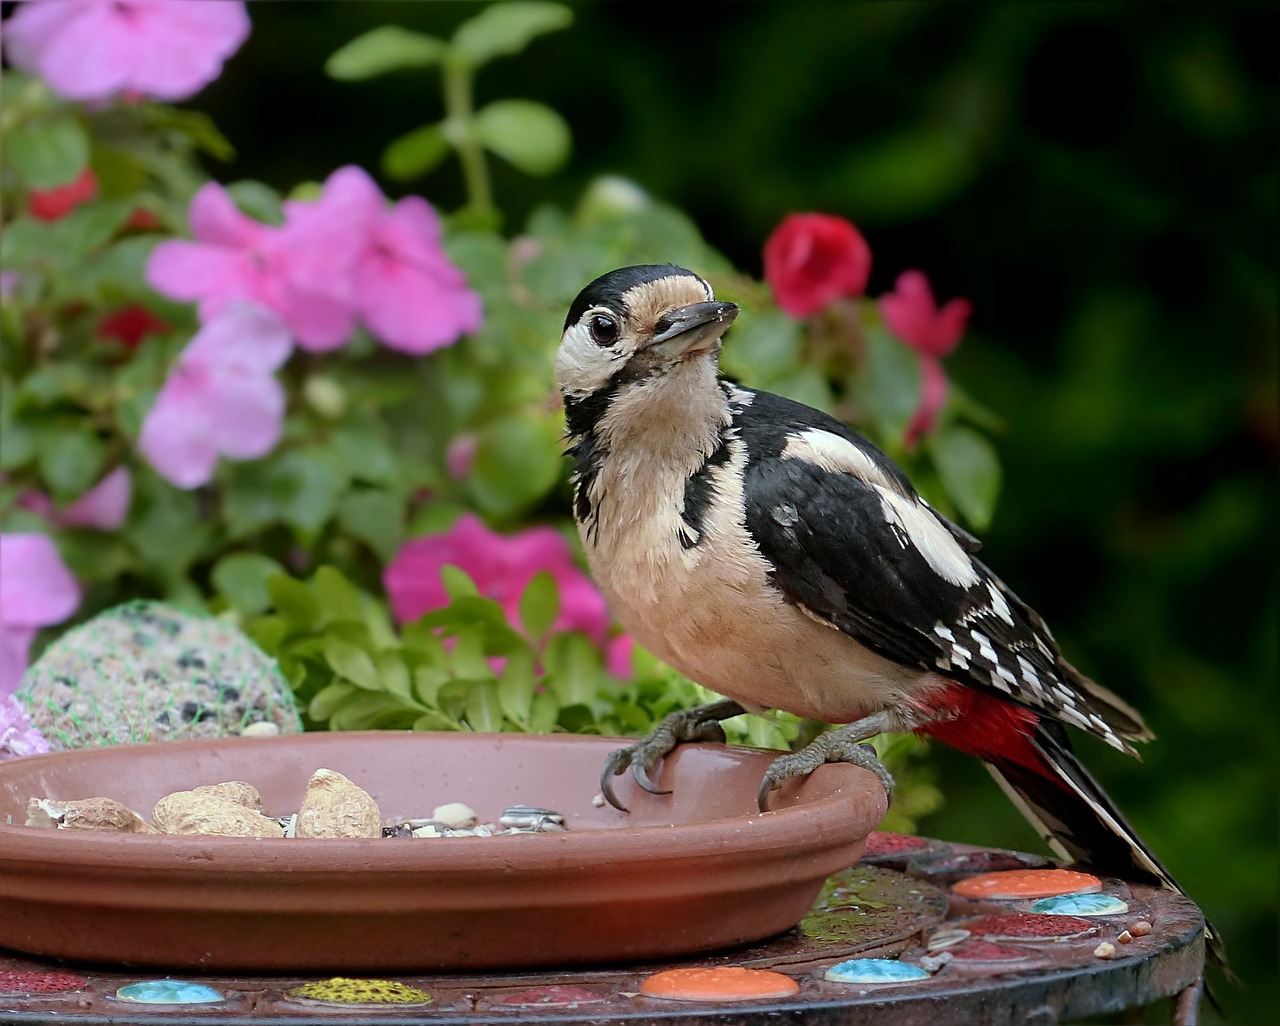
836 455
922 529
999 605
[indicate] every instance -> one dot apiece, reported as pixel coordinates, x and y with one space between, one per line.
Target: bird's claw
701 724
829 747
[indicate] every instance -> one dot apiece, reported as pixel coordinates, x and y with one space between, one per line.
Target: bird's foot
700 724
846 744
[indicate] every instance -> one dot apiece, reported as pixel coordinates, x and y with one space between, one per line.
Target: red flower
912 315
52 204
142 220
130 325
811 260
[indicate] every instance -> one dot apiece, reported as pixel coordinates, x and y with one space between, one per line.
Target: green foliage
529 135
48 153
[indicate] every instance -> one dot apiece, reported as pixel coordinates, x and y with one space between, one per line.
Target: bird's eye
604 330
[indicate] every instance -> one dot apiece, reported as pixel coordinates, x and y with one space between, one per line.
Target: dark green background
1100 180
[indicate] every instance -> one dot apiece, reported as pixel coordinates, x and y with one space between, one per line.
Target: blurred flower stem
460 130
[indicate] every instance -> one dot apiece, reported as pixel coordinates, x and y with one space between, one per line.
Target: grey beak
693 328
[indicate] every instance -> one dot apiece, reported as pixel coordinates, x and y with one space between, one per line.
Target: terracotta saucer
692 871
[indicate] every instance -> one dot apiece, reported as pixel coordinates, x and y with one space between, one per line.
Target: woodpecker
771 553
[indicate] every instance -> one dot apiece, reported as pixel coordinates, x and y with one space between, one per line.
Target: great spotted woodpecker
774 555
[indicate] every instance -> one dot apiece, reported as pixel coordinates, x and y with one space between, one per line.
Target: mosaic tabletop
918 930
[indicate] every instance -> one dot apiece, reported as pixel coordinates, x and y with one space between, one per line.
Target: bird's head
636 323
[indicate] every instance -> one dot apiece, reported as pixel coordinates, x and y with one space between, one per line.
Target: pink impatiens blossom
17 735
36 590
911 313
617 656
220 399
102 508
235 258
501 566
401 283
94 49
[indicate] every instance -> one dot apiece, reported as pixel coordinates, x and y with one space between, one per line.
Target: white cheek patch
926 533
835 455
582 367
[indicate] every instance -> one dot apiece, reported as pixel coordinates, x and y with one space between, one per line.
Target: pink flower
401 283
36 590
93 49
17 736
220 399
501 566
617 656
56 203
236 258
911 314
460 454
811 260
933 393
102 508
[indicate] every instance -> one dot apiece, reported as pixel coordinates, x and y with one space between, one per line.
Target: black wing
853 543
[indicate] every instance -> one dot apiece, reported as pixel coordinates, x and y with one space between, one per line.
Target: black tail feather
1080 823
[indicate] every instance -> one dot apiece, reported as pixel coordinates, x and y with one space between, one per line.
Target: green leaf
242 579
545 713
328 700
305 485
969 469
18 439
468 658
351 662
539 604
421 643
375 518
393 674
366 455
529 135
577 718
435 721
372 711
258 200
427 682
507 28
575 668
378 51
378 622
517 463
64 242
765 348
452 698
293 600
415 153
339 599
46 154
71 460
247 503
457 582
890 388
516 686
484 711
196 125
